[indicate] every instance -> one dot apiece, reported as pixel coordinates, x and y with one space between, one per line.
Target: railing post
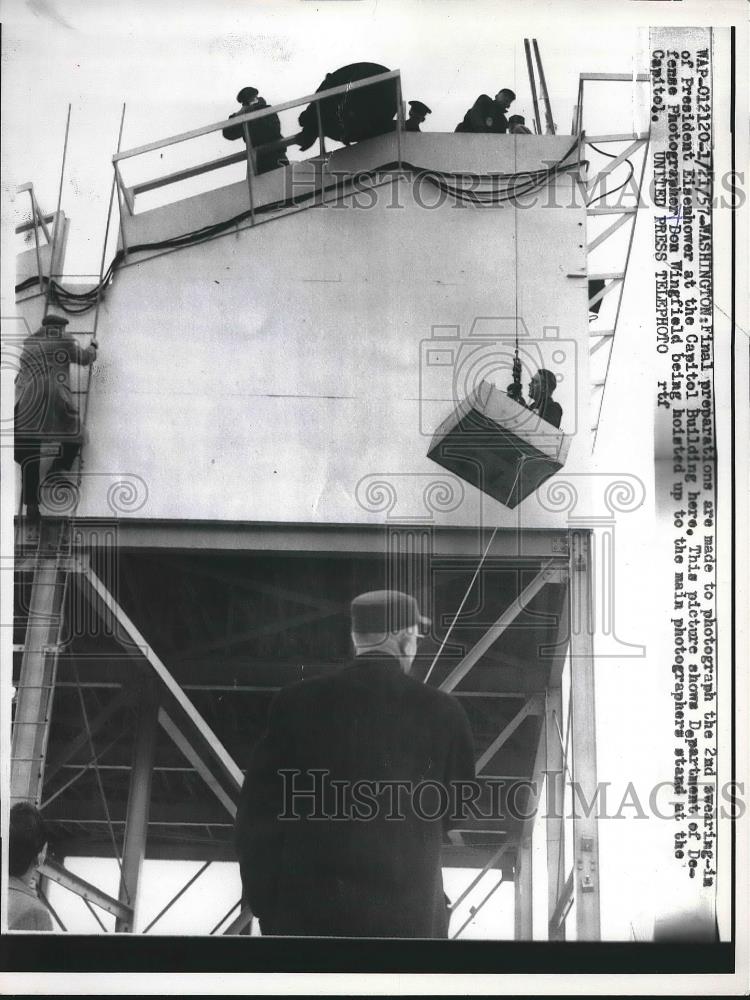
399 121
321 135
123 238
250 171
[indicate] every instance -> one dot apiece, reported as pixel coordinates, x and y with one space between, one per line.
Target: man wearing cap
517 125
262 131
45 410
417 114
331 836
487 114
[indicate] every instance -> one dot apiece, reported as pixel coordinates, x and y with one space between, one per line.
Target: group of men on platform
353 116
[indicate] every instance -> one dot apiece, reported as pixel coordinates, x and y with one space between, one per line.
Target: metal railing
128 194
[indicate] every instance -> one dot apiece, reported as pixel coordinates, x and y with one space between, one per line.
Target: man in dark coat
263 131
331 837
417 114
517 125
45 410
354 115
487 114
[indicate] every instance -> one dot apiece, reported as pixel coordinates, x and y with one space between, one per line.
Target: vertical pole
523 910
321 135
36 682
57 213
583 738
320 164
543 88
555 808
250 170
34 219
139 797
399 121
532 84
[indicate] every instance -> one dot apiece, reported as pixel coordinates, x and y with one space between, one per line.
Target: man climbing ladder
45 411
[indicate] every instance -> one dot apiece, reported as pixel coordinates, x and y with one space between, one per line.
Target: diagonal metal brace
58 873
547 574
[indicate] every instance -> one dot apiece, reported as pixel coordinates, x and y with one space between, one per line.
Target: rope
99 778
619 187
461 606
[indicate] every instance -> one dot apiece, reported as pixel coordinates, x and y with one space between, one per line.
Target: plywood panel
283 374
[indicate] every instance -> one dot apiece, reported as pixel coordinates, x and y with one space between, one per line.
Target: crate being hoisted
498 445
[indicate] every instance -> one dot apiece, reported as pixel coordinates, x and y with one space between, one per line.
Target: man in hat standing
417 114
333 835
45 411
487 114
262 131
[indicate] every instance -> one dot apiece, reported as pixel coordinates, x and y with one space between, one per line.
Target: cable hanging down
504 188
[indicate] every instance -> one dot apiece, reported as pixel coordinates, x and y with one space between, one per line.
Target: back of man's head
27 836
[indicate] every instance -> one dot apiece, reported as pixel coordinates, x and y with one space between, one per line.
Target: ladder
48 557
41 649
602 283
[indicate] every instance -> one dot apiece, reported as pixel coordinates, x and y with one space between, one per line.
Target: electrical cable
515 185
619 187
461 605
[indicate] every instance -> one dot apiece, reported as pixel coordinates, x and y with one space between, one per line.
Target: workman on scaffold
45 409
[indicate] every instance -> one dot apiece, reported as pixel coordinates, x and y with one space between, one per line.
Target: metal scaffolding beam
190 720
179 739
583 738
530 707
68 880
125 697
139 798
524 930
546 574
555 786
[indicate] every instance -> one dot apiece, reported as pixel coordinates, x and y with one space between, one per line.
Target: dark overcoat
354 116
485 115
263 131
45 407
358 875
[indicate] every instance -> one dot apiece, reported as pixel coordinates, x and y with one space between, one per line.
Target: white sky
178 65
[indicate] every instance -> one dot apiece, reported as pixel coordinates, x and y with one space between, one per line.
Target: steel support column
522 882
555 809
583 738
139 797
